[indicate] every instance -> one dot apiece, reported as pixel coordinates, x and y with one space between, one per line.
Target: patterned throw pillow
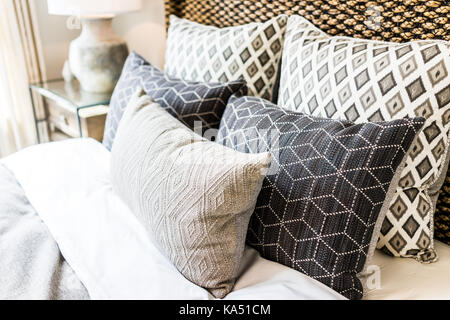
364 80
205 53
194 197
320 210
188 101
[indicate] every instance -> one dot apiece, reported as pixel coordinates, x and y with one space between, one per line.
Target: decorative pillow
321 211
186 100
206 53
364 80
194 197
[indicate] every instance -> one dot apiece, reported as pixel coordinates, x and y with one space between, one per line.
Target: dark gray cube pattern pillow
320 210
188 101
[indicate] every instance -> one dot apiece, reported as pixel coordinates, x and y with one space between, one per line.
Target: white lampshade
92 7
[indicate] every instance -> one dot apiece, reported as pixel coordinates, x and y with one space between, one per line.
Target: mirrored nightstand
69 111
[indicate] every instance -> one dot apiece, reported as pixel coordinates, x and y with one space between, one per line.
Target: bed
94 229
69 236
87 206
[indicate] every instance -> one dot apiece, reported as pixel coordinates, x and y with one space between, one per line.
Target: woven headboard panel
390 20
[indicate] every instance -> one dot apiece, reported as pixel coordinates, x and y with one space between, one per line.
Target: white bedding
68 184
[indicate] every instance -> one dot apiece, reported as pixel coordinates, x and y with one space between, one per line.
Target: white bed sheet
68 184
407 279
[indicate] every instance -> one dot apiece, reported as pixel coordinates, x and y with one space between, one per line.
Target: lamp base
96 58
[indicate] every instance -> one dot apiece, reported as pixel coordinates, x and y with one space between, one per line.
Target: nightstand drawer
92 121
62 119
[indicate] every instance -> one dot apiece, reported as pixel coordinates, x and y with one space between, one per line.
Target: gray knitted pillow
321 212
194 197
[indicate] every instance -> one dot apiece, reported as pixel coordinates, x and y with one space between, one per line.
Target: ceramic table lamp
97 56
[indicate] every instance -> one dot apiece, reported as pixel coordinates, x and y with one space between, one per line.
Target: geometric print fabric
204 53
365 80
193 196
188 101
321 211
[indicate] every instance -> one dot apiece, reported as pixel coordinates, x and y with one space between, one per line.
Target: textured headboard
393 20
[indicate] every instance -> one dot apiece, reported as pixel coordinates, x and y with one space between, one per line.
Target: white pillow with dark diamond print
364 80
198 52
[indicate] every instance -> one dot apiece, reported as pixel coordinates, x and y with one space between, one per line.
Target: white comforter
68 184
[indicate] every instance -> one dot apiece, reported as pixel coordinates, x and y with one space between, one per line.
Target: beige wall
144 31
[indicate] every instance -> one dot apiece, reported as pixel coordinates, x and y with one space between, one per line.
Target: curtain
21 63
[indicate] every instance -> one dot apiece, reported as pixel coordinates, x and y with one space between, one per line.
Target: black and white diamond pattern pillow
204 53
364 80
